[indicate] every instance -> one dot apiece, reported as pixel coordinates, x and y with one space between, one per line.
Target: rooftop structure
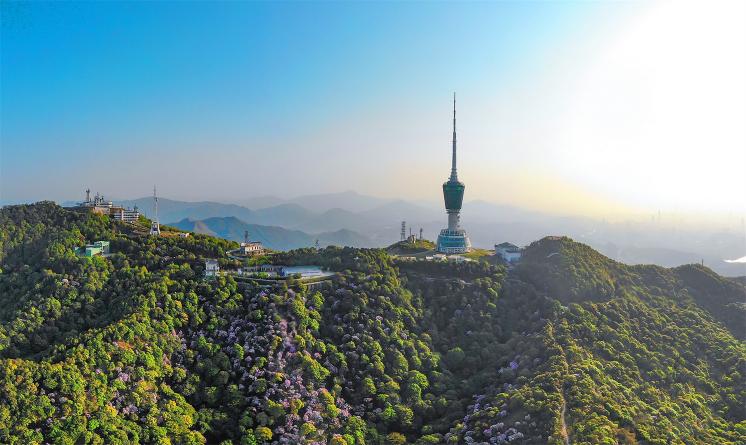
125 215
274 271
252 248
100 205
212 269
510 253
249 247
91 250
453 239
97 201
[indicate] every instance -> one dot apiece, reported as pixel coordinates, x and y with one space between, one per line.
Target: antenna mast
155 227
454 175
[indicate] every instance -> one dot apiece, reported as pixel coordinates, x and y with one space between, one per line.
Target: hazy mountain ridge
641 242
275 238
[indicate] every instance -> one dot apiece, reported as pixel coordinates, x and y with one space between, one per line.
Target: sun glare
659 120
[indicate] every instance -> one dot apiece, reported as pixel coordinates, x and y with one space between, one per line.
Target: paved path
565 434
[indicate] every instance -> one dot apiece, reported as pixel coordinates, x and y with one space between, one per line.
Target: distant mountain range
348 200
380 223
371 221
273 237
170 210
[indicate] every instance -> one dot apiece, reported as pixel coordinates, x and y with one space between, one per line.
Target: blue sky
245 68
227 100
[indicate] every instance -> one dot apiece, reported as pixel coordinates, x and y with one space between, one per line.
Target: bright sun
658 122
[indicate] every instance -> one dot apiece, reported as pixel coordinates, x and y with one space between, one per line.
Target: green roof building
97 248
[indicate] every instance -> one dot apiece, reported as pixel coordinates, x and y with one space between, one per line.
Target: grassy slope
407 248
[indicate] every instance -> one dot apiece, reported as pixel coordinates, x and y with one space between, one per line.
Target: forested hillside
568 347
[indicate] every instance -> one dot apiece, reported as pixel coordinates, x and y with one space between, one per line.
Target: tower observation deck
453 239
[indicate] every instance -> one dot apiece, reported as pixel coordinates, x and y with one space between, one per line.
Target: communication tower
453 239
155 227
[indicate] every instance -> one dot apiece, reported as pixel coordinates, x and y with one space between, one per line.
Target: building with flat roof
510 253
251 248
212 269
124 215
91 250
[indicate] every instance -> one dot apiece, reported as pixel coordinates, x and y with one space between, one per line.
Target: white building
510 253
125 215
251 248
211 268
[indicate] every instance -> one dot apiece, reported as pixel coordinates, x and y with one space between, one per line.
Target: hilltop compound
99 205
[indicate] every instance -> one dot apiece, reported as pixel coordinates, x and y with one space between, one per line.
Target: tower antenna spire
454 175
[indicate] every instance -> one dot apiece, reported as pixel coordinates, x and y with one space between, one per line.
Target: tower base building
453 241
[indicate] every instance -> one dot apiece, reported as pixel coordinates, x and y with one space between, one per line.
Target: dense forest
568 347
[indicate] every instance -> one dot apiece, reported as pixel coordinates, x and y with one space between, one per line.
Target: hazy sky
573 107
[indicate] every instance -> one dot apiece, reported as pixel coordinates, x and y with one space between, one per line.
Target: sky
589 108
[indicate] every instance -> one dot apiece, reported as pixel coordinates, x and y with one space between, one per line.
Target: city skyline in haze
573 108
